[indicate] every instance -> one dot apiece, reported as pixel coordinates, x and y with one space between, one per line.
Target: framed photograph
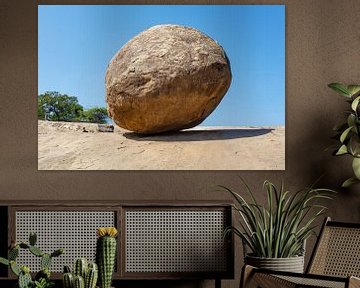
161 87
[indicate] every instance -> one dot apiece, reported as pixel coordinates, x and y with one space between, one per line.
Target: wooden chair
335 262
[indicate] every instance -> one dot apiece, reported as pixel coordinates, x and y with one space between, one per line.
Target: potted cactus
42 278
106 254
84 275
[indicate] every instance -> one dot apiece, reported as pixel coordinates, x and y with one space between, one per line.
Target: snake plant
348 132
279 228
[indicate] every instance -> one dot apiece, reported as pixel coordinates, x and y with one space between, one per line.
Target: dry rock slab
166 78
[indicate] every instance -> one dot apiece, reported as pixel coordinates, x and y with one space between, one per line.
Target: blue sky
76 43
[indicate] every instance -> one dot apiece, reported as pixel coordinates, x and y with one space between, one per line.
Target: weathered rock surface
167 78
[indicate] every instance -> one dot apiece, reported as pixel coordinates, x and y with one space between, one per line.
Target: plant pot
291 264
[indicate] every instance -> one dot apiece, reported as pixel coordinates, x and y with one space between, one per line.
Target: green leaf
355 103
351 120
353 89
345 134
354 145
340 88
14 268
4 261
356 167
342 150
349 182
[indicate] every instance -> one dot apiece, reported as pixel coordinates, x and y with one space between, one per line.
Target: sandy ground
64 146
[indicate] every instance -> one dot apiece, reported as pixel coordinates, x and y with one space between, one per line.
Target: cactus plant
24 245
57 253
80 268
106 254
32 238
14 268
42 278
91 276
79 282
13 253
67 269
68 280
45 261
24 280
84 274
36 251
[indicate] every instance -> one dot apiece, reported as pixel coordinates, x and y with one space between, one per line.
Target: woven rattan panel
175 241
338 253
268 280
311 282
75 231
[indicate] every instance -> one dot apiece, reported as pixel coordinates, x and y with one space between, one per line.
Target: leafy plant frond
348 133
279 228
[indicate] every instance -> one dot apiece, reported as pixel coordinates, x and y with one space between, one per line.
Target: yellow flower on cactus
112 231
107 231
101 231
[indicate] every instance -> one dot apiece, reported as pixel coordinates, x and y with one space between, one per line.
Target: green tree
58 107
95 115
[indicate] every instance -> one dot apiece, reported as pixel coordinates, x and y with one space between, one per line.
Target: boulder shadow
200 134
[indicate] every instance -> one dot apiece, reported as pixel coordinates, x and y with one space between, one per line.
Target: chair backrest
337 251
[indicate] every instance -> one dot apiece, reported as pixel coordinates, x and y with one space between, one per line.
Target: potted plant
42 278
87 274
106 254
84 274
276 233
348 132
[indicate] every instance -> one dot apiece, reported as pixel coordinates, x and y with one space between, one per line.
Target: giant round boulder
166 78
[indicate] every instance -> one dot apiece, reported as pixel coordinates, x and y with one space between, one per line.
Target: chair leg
217 283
